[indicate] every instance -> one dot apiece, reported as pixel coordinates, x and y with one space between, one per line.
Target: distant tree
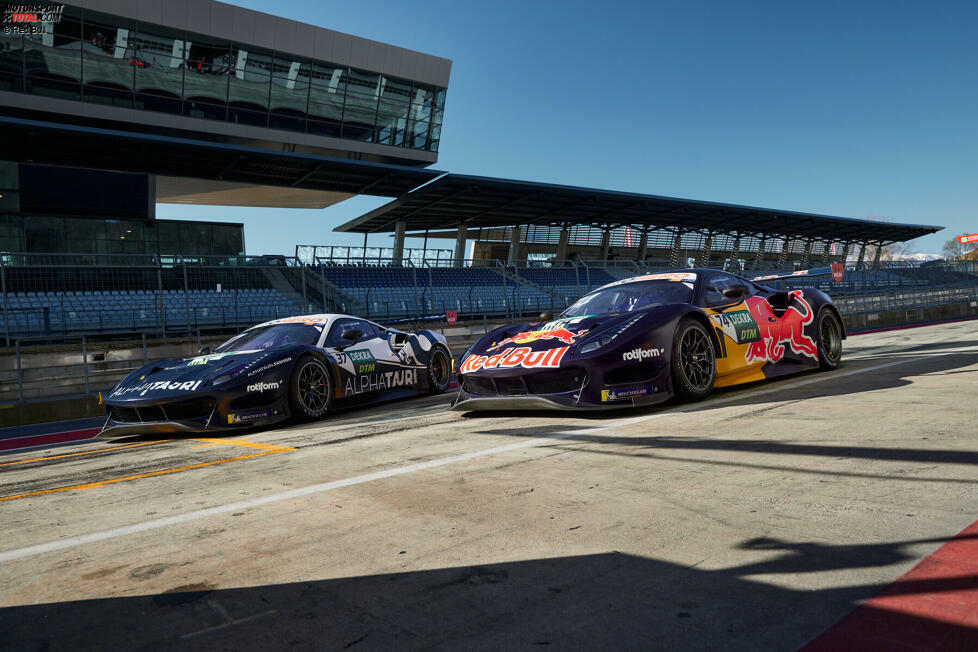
896 251
954 249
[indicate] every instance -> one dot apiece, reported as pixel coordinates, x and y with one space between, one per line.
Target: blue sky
858 108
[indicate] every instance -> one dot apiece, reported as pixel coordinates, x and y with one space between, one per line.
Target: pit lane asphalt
753 520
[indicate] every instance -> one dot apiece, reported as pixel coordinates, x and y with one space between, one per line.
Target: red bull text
520 356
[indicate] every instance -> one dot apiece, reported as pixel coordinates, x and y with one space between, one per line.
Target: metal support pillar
605 243
514 247
735 255
826 249
807 254
759 257
707 250
643 246
399 227
879 254
459 260
677 244
562 243
783 256
845 253
6 320
186 295
862 256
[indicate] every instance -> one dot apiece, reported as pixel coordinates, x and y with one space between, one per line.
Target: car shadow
766 391
601 601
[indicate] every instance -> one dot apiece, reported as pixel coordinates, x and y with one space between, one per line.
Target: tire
439 370
310 389
694 366
829 340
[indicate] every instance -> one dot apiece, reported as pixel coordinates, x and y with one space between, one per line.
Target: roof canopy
50 143
455 199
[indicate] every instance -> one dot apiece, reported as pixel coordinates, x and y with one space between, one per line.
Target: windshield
631 296
269 337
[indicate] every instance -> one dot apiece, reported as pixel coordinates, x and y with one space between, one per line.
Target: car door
368 365
741 324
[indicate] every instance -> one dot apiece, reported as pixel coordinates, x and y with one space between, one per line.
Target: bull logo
562 335
775 331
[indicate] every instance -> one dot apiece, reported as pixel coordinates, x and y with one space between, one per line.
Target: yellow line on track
100 450
244 442
102 483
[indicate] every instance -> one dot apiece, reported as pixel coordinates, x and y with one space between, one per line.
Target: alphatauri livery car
300 367
645 339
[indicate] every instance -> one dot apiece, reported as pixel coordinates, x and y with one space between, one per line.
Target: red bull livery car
645 339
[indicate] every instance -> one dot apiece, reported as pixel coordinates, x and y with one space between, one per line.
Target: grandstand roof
477 202
49 143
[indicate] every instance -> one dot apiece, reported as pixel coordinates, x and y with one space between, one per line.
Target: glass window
393 111
290 93
419 137
627 297
44 233
249 72
360 110
272 336
205 84
69 28
226 240
713 291
340 326
52 70
11 62
158 56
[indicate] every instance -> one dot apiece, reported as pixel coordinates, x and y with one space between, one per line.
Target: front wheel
439 371
829 340
693 361
310 389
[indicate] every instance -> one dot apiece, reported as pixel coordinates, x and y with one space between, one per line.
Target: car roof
318 319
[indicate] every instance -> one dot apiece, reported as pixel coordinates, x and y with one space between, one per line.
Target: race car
301 367
645 339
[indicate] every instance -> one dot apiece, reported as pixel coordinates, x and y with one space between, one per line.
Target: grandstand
50 296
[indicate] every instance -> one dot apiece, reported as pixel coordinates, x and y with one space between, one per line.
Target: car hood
178 377
547 344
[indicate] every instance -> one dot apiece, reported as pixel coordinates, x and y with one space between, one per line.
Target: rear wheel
693 361
439 371
310 389
829 340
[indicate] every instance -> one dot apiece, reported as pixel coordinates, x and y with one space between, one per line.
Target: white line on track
70 542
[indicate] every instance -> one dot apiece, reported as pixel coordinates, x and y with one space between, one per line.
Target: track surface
756 519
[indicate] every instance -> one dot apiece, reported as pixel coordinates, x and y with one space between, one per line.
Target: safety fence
52 296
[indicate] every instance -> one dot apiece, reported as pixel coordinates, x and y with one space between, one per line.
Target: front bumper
592 398
503 403
113 429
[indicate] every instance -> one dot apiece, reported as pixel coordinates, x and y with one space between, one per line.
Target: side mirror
352 335
546 315
204 350
735 292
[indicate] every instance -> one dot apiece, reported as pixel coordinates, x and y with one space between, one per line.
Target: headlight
606 339
228 375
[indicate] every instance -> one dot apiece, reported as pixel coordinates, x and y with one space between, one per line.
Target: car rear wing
802 273
817 271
